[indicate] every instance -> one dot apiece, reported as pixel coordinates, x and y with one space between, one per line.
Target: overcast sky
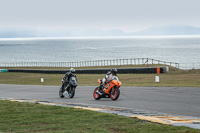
127 15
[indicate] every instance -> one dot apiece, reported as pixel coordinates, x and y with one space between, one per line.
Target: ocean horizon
101 37
179 49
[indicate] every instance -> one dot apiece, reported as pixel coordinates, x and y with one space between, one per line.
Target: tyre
114 93
61 93
95 95
71 92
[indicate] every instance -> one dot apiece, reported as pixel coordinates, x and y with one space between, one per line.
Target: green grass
29 117
175 78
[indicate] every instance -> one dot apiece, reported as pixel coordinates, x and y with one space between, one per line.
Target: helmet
72 70
114 71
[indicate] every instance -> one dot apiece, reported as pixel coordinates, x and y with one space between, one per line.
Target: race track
171 100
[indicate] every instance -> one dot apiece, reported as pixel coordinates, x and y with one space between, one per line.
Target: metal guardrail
188 66
114 62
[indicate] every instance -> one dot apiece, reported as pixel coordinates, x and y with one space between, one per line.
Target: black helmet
72 70
114 71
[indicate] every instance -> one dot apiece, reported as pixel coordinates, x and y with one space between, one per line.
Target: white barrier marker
42 79
157 79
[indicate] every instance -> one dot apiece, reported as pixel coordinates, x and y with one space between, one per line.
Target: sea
179 49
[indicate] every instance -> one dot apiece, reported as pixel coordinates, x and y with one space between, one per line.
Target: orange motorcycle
110 90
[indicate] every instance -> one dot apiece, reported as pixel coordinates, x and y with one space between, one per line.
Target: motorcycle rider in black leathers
68 75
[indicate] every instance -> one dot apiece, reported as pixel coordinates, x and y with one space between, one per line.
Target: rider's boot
100 87
64 86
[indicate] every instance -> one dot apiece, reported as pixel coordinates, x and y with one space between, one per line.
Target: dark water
185 49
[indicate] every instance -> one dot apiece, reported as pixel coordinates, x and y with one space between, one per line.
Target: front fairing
73 81
117 83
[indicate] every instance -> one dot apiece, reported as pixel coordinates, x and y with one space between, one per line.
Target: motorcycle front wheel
114 93
95 95
71 92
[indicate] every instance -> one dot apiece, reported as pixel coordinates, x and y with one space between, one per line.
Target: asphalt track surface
171 100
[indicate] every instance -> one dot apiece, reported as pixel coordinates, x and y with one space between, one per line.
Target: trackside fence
113 62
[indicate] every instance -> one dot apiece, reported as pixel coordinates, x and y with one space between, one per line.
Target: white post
42 79
157 79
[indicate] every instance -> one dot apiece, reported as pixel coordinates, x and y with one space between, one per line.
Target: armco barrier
99 71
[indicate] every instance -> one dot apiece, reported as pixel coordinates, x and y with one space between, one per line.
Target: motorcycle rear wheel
95 95
114 93
61 93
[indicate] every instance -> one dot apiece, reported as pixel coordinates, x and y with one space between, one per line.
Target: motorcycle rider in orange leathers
111 75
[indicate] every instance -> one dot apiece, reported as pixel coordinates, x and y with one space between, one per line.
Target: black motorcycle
69 90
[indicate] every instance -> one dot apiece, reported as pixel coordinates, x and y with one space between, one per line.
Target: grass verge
28 117
175 78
